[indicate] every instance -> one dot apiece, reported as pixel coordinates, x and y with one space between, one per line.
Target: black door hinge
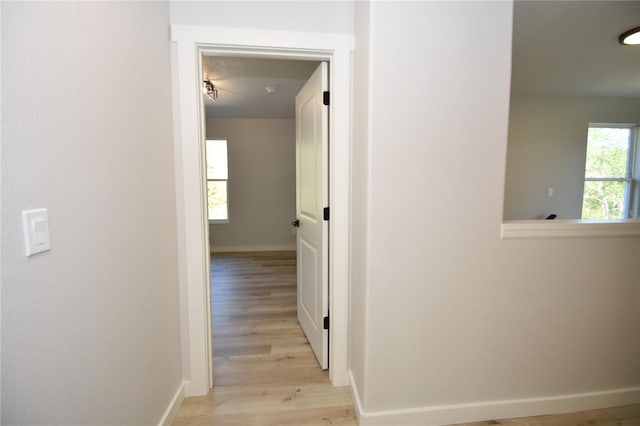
325 323
325 97
325 213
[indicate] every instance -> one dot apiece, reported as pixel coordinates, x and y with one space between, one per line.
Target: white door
311 199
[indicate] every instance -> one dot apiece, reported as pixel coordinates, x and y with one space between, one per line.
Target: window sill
515 229
218 222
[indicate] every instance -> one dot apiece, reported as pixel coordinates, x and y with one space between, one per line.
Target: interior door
311 198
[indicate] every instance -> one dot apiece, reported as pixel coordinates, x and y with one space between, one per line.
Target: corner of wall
172 409
355 396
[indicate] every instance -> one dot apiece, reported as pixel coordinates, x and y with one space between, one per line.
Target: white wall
547 149
90 329
460 323
308 16
360 197
262 183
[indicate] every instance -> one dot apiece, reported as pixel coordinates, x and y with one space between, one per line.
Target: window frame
207 180
630 199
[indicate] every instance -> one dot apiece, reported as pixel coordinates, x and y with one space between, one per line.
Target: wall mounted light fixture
631 37
210 90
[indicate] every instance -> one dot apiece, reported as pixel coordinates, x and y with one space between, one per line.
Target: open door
312 132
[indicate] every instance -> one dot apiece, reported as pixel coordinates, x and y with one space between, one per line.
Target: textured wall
312 16
90 329
362 93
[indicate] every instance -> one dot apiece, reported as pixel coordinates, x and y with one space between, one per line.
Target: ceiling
572 48
242 83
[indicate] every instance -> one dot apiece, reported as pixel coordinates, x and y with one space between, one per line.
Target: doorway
190 42
266 146
250 150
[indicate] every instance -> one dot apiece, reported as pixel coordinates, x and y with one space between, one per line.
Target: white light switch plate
35 225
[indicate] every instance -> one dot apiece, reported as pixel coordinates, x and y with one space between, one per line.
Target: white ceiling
242 83
572 48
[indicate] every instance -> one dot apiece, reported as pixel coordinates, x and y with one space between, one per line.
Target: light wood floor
619 416
265 372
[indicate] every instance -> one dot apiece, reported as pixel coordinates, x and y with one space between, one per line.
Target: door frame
188 45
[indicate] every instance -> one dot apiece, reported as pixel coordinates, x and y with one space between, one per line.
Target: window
609 183
217 180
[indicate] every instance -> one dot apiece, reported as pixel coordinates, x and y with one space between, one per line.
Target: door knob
296 223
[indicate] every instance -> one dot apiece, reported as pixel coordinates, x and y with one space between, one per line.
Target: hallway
264 370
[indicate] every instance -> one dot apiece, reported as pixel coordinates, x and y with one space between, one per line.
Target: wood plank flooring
617 416
265 372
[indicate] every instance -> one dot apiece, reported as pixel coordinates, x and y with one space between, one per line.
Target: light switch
35 225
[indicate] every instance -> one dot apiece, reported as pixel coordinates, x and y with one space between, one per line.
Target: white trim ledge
494 410
172 410
514 229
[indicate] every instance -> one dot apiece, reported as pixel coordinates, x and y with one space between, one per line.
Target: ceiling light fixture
210 90
631 37
271 90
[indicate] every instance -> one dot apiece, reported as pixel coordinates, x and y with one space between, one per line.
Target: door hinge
325 213
325 97
325 323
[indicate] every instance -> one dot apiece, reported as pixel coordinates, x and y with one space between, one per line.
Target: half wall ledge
522 229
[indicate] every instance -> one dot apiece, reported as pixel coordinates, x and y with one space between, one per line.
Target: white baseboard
493 410
171 411
228 249
357 405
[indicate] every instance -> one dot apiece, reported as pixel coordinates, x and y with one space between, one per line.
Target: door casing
190 43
